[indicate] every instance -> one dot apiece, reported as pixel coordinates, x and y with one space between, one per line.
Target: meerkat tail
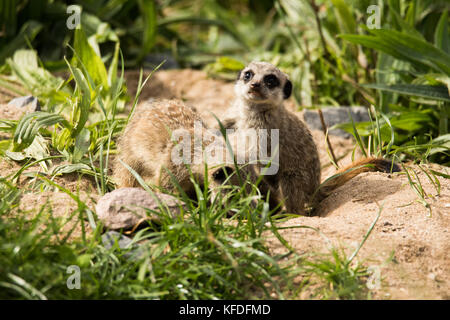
351 171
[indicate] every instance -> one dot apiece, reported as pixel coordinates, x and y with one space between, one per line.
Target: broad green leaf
89 58
443 79
16 156
5 145
25 69
112 70
405 47
28 32
148 12
301 76
81 114
441 35
96 29
231 29
37 150
424 91
69 168
345 17
394 7
82 143
29 125
225 67
387 73
442 144
358 139
411 121
401 24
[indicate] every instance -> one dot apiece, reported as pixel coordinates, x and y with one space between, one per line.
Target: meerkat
260 90
147 146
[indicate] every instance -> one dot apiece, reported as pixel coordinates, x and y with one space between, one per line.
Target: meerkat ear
287 90
238 75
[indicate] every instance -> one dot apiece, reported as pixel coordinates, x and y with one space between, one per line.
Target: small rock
335 115
155 59
109 239
125 208
29 102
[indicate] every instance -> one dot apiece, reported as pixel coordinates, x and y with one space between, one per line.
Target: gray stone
29 102
125 208
110 238
154 60
335 115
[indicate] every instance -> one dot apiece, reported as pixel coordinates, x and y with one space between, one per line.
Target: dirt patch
60 206
408 244
7 95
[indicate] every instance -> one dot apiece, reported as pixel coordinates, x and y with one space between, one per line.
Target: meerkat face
221 179
263 83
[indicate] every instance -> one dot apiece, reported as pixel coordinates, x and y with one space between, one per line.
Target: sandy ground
409 244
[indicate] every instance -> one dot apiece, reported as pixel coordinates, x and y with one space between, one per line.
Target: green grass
199 255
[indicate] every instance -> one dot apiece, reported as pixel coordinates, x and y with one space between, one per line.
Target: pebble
335 115
29 102
125 208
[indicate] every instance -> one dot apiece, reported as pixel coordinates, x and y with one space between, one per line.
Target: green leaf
410 121
16 156
28 32
148 11
399 22
89 58
82 143
69 168
112 70
357 136
227 27
25 69
441 35
424 91
386 74
29 125
442 143
82 111
345 17
38 150
405 47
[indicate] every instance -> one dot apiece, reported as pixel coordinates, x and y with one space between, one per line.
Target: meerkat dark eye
271 81
221 174
248 75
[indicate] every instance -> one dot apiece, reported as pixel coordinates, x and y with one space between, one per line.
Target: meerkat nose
255 84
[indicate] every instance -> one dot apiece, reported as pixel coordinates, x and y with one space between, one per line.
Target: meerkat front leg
123 176
291 189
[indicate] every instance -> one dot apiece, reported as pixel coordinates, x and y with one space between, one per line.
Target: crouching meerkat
260 90
148 146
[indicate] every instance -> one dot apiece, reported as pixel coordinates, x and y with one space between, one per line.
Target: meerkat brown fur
260 90
147 147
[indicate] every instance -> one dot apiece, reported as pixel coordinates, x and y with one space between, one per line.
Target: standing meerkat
260 90
147 145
